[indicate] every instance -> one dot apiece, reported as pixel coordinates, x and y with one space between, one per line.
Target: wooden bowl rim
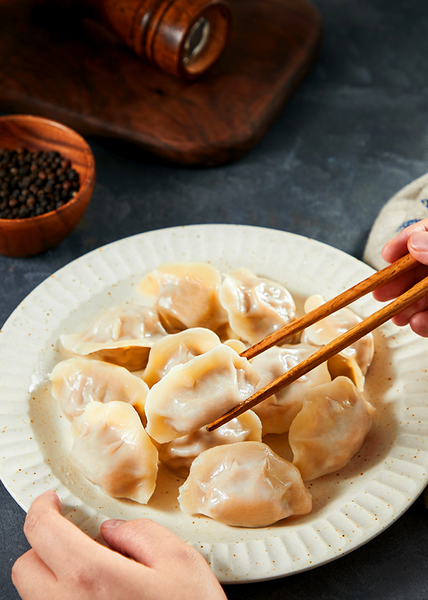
88 154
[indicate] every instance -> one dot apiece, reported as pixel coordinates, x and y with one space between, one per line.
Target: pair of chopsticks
402 265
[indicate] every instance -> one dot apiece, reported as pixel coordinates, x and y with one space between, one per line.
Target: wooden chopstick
400 266
326 352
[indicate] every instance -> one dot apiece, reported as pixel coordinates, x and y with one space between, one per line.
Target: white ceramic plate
350 507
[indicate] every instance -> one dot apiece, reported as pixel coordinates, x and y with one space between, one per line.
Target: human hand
145 561
413 239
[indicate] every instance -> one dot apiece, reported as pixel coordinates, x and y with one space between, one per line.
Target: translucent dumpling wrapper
186 295
179 454
236 345
177 349
244 485
112 449
192 395
278 411
256 306
76 382
330 429
122 335
331 327
344 364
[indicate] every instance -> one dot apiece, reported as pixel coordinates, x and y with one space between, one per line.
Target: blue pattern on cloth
406 224
407 207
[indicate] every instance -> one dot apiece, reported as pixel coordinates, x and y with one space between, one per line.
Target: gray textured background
353 135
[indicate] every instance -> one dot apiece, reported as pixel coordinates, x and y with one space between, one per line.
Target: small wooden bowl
25 237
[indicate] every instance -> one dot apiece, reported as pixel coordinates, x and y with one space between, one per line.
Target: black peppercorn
34 183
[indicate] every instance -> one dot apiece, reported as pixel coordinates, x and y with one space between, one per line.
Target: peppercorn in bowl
47 176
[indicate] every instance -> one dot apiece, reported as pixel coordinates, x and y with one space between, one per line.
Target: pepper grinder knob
182 37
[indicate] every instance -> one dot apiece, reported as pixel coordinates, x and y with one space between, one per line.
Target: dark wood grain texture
25 237
157 30
77 72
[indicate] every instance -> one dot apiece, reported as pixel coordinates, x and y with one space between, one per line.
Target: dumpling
330 428
122 335
256 306
192 395
186 295
278 411
78 381
177 349
179 454
244 485
344 364
112 449
236 345
331 327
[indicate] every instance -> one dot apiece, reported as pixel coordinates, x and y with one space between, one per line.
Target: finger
401 284
145 541
397 247
418 247
406 315
395 288
172 566
419 323
59 544
32 578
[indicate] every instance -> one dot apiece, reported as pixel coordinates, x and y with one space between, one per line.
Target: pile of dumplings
144 380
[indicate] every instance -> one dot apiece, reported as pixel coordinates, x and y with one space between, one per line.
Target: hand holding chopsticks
340 343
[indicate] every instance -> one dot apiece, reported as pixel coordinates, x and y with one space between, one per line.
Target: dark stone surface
353 135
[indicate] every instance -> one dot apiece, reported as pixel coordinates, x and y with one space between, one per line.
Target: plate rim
170 231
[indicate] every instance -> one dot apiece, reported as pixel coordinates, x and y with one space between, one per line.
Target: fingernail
112 523
419 241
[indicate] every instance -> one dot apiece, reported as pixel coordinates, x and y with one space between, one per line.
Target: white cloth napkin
408 206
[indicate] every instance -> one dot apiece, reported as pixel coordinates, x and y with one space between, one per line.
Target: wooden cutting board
76 72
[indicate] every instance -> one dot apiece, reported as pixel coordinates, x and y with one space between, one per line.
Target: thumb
418 246
145 541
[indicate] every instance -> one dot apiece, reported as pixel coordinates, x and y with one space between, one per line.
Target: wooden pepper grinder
181 37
